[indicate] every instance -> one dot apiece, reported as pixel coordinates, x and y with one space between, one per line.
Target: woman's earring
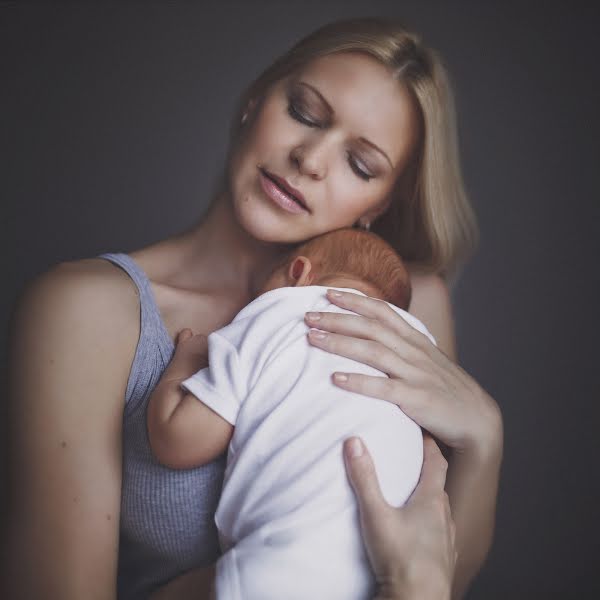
244 117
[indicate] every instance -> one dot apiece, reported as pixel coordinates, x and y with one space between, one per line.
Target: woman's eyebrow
332 112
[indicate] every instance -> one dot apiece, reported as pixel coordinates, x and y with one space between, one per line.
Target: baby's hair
361 254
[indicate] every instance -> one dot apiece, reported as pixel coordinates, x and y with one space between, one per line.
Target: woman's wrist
484 446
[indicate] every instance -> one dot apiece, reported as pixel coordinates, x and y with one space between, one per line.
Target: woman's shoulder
73 339
431 304
427 287
90 280
77 297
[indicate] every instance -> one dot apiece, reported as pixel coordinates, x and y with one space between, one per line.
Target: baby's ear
300 271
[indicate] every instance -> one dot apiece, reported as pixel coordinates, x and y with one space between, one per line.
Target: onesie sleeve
221 386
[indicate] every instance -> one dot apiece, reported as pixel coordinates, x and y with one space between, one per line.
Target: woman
354 125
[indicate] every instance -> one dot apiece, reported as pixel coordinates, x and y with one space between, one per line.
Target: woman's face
339 131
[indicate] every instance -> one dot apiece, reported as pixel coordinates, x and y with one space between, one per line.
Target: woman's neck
218 254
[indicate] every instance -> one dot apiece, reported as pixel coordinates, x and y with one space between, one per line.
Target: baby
287 518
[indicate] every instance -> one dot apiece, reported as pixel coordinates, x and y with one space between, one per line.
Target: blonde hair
431 222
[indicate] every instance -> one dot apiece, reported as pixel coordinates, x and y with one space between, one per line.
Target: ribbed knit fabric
167 516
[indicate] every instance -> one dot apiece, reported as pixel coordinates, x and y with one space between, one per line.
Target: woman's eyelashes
354 165
299 116
296 114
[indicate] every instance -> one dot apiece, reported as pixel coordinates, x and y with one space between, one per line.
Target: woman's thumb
362 475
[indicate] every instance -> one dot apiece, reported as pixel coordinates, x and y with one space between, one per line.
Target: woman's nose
309 161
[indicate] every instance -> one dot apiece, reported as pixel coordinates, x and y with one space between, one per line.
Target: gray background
114 122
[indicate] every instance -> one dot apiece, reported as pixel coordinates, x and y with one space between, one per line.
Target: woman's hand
411 548
429 387
438 395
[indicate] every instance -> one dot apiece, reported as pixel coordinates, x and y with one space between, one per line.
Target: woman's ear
300 271
367 219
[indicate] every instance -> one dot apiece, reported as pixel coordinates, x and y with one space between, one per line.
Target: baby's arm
183 432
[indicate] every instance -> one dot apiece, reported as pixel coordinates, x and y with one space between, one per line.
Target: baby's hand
191 355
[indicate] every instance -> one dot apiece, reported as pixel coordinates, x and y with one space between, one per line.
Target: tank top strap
155 346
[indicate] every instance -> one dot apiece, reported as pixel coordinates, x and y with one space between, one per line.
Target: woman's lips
281 197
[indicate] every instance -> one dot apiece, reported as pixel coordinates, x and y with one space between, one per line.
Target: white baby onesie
287 518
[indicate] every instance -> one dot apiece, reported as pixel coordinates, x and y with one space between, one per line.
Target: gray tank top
167 516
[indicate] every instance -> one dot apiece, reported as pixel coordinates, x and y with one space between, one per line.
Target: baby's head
351 258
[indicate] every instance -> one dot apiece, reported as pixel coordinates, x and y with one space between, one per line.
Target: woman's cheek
274 132
346 205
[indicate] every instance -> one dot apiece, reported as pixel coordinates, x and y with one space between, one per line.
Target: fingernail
355 448
340 377
313 316
316 334
334 293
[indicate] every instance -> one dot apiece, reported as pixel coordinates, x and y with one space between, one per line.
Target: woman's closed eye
299 116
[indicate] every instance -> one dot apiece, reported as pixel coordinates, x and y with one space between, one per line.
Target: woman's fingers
404 340
368 352
362 327
427 385
361 472
380 311
363 477
411 399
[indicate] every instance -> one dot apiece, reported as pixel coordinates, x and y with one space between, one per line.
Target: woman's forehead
365 98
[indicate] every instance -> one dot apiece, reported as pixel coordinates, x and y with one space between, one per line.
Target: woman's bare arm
473 475
430 303
73 340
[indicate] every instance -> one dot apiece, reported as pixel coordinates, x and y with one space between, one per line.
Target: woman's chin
265 225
